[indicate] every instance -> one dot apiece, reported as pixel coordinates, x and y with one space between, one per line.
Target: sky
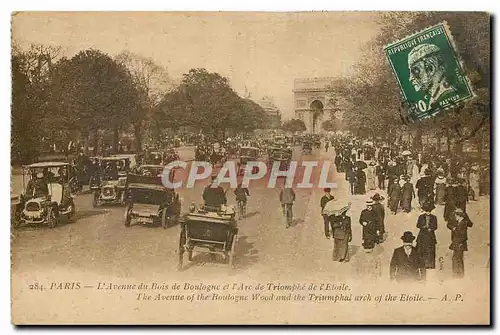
261 53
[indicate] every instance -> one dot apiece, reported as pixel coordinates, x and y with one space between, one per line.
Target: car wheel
122 199
95 200
51 218
73 209
127 218
164 219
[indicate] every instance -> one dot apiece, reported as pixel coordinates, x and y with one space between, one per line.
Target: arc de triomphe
313 101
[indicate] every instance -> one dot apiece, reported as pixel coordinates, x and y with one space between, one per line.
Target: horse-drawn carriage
46 197
213 230
148 201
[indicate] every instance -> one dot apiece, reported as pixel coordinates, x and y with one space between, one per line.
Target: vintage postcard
250 168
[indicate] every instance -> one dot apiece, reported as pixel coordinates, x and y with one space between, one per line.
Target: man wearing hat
406 263
324 200
379 212
458 223
425 188
214 195
371 230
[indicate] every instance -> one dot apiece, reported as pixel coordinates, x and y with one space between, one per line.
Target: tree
205 100
151 81
92 92
328 125
30 72
294 125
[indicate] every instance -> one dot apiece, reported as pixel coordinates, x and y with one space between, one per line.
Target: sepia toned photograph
250 168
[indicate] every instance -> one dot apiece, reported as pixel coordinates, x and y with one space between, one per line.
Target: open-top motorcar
150 202
307 147
46 197
151 170
213 230
112 181
248 154
284 156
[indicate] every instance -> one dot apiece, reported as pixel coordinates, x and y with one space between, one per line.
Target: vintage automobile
247 154
154 158
213 230
46 197
281 155
307 147
317 141
150 202
150 170
112 181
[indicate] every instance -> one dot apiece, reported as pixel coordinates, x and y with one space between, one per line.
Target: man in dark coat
425 188
371 232
360 183
379 211
406 262
407 195
458 223
324 199
214 195
381 171
350 176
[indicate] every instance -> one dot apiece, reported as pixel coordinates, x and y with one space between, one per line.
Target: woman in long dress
440 187
371 177
426 239
342 235
474 181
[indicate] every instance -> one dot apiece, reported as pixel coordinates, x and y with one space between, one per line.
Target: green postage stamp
429 72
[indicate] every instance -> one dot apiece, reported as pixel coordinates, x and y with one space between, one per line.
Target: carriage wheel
231 254
51 218
164 219
73 209
95 200
182 241
127 218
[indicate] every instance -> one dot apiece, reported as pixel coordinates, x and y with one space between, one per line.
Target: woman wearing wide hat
406 262
426 239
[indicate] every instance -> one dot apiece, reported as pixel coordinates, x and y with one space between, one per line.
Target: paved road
97 239
96 246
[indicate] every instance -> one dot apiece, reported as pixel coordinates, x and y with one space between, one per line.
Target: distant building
272 112
313 101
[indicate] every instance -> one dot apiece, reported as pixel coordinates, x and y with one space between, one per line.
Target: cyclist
241 194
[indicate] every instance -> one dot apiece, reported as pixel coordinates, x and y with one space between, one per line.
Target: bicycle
287 214
242 208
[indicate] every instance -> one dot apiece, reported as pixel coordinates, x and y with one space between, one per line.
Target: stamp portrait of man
428 72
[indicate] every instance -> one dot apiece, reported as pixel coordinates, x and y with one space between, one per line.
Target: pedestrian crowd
411 180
